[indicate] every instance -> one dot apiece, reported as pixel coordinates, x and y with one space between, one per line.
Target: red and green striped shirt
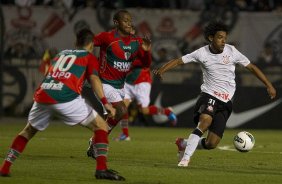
66 75
116 56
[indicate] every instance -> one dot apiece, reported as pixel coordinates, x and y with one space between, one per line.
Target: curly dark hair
117 15
213 27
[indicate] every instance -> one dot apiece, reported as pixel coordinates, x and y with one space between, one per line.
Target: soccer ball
244 141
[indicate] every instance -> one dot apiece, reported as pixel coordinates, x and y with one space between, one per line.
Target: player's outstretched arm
167 66
260 75
97 88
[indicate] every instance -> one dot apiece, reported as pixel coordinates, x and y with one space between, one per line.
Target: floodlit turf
58 156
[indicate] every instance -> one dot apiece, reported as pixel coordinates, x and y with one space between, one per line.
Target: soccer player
118 50
138 86
59 93
214 105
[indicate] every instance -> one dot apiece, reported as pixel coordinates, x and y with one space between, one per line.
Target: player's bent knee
210 145
100 124
121 110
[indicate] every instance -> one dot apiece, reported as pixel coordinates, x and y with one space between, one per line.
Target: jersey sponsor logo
122 66
52 85
235 120
126 47
224 96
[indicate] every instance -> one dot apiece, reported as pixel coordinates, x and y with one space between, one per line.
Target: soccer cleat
172 117
108 174
183 163
91 151
181 149
122 137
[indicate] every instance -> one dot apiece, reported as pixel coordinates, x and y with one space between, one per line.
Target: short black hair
117 15
213 27
84 37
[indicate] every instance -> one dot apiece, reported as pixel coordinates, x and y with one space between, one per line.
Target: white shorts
140 92
112 94
71 113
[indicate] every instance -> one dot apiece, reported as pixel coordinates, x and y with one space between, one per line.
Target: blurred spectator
27 3
194 5
223 10
24 3
242 4
21 50
278 6
263 5
162 56
266 57
255 5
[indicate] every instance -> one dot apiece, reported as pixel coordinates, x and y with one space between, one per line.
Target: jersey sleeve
93 66
137 63
144 58
192 57
240 58
100 38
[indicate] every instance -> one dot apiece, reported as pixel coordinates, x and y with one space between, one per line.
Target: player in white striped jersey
214 105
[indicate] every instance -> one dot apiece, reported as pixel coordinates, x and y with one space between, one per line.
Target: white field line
230 148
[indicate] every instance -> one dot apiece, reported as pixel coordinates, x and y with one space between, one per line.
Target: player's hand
271 92
158 72
146 45
111 111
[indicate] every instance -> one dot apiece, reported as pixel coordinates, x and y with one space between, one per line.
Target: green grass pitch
58 156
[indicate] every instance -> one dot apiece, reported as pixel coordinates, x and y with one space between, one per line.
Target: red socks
101 144
166 111
100 141
153 110
157 110
16 149
124 124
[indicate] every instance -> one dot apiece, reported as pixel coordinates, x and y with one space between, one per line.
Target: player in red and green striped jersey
118 50
138 86
60 94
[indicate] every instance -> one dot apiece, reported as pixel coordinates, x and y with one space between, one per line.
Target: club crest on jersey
210 108
225 59
127 55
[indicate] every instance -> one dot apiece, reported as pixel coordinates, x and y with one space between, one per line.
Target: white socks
192 143
200 146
